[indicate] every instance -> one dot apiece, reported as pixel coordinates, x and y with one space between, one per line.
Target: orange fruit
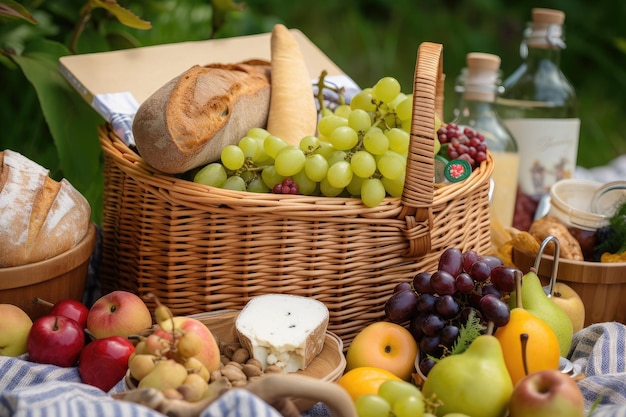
542 347
364 380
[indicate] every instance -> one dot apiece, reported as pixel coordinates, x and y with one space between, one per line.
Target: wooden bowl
54 279
601 285
328 366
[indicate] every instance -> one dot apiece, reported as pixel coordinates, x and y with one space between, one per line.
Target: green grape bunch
360 151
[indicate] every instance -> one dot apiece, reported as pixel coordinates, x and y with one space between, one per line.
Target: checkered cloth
29 389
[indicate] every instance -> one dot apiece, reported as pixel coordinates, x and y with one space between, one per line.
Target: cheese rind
283 330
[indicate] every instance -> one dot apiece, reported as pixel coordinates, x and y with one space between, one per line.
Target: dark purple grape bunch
287 186
436 305
463 143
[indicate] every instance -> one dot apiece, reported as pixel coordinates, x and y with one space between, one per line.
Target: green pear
535 300
475 382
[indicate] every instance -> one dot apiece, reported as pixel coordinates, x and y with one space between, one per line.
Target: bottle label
548 149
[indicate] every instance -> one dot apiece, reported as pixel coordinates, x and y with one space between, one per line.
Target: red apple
55 340
119 313
104 362
73 309
546 393
210 353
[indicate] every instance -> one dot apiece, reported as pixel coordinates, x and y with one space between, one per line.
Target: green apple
15 325
565 297
547 393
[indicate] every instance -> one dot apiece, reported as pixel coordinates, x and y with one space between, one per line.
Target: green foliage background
368 39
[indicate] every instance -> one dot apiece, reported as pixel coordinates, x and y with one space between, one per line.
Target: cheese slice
283 330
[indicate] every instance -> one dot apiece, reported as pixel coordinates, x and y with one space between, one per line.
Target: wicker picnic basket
201 249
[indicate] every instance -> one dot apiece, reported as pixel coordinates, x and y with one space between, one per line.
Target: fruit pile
467 290
360 151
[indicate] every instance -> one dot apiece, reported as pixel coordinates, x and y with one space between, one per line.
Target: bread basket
202 249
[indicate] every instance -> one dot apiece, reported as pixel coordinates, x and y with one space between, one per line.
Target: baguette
41 218
188 121
293 113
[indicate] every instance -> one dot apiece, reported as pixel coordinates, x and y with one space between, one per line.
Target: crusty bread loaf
40 217
187 122
284 330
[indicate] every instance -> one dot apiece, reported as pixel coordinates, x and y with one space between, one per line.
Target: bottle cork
482 76
547 29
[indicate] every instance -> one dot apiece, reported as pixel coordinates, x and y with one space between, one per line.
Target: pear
475 382
536 301
166 374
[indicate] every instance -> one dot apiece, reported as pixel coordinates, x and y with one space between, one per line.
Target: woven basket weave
200 248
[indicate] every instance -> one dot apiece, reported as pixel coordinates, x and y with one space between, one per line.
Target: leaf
71 121
221 8
125 16
12 9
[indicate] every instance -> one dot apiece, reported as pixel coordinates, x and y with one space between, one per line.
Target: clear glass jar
477 87
539 106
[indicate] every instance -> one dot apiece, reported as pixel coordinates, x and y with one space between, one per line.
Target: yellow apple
384 345
15 325
569 301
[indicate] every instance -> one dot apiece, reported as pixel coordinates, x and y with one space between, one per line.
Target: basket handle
417 196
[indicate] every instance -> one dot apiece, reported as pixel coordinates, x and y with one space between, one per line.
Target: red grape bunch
436 305
463 143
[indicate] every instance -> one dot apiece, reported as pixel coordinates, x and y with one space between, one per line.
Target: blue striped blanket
28 389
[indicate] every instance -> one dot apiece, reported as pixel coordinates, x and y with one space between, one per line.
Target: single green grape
213 174
393 104
272 144
328 190
309 143
375 141
363 164
325 149
235 183
394 188
257 185
404 109
344 138
359 120
394 390
412 406
271 177
258 132
336 156
398 140
386 89
250 147
339 174
289 161
391 165
372 192
316 167
232 157
354 188
364 100
343 110
305 185
372 405
327 124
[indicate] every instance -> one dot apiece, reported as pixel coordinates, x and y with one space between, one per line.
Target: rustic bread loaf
187 122
284 330
41 218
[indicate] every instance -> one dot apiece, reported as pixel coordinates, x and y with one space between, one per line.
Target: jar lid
608 198
570 201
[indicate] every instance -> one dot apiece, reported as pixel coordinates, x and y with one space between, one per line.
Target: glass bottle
478 87
539 106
